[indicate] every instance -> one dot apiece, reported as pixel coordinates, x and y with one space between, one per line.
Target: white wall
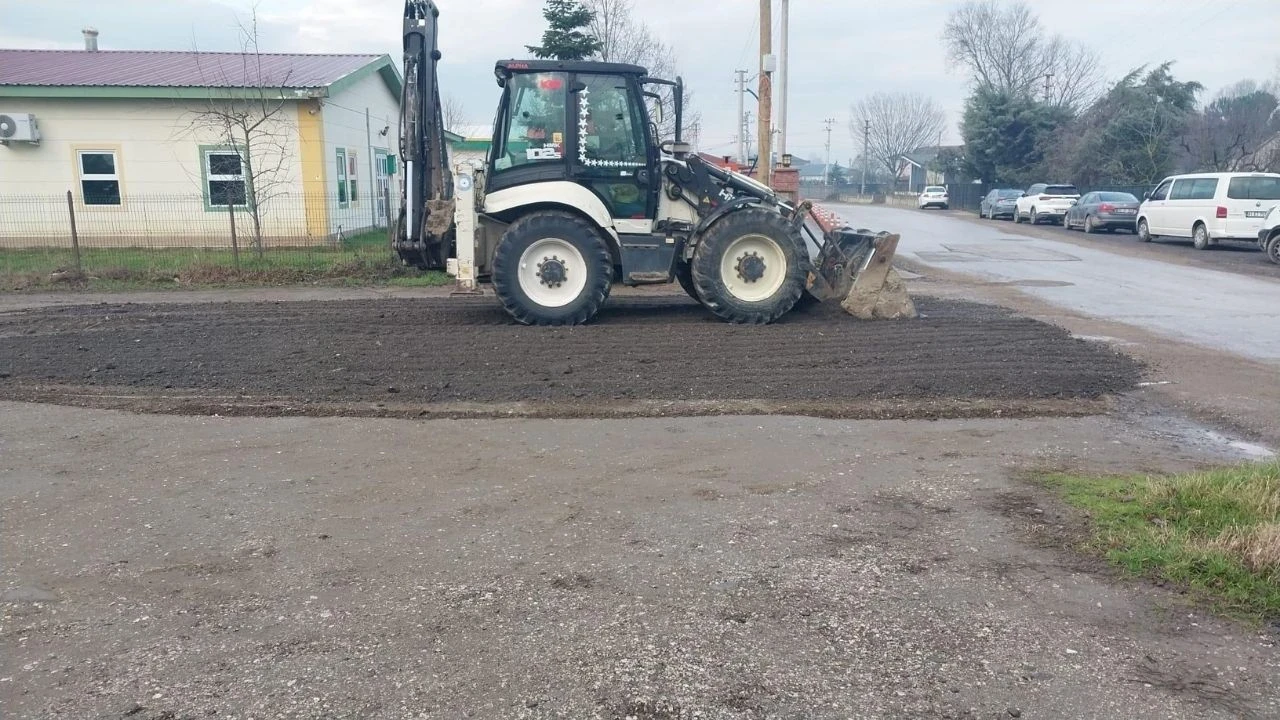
344 127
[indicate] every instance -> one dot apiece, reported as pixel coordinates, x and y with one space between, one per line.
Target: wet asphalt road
1205 306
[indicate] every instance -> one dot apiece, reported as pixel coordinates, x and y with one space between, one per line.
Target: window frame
207 176
344 196
78 154
1155 193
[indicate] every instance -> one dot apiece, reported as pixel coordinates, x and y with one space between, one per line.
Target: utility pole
764 119
741 81
746 135
784 64
866 154
1048 86
826 173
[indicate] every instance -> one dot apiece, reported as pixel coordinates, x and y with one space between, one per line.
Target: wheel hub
552 272
751 267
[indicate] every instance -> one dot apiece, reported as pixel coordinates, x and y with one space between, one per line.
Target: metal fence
40 235
968 196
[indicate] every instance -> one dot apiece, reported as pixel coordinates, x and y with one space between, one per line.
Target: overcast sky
840 49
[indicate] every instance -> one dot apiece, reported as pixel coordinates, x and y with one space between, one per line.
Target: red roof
132 68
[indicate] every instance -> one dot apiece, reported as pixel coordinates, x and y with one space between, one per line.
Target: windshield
1254 188
935 189
1061 190
1117 197
1008 194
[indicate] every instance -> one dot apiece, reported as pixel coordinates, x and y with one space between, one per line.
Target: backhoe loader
579 193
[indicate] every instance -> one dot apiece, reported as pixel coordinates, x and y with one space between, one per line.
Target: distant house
122 129
916 168
814 173
469 144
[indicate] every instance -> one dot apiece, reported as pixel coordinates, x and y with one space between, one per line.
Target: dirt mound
644 355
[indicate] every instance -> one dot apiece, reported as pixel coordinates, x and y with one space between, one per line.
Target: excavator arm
425 230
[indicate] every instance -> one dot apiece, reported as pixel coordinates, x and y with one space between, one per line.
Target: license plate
1255 213
1126 211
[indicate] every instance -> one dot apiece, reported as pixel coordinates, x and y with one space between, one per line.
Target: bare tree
896 124
624 39
1005 48
455 114
251 121
1237 132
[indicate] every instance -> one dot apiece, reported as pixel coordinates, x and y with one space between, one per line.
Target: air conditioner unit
19 127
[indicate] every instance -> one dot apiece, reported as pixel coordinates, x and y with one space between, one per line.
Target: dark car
999 203
1104 211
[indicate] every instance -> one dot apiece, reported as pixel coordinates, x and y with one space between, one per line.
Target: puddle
1255 452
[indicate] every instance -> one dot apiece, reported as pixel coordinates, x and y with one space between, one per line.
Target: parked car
1045 201
1209 207
934 196
999 203
1104 211
1269 235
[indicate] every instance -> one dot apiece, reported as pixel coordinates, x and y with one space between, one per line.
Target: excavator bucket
855 269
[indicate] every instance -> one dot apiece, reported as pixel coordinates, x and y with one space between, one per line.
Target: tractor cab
581 122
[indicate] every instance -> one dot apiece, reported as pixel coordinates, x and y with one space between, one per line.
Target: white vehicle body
934 196
1208 207
1045 201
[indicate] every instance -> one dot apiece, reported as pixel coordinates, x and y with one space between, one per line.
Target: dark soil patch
644 355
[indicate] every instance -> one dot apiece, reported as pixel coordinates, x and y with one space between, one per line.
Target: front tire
1017 217
1089 227
552 268
750 267
1144 231
1273 249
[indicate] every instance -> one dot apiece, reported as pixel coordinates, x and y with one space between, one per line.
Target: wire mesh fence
141 237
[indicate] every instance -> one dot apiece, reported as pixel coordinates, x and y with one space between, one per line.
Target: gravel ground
161 567
655 354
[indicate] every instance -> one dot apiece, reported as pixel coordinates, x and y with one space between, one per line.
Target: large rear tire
1200 237
552 268
750 267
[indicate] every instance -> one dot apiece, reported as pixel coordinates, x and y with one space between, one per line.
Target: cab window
609 122
534 127
1162 192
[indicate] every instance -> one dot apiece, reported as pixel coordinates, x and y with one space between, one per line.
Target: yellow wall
313 167
158 152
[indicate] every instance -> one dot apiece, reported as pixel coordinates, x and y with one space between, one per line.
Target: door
611 154
381 186
1181 209
1248 200
1156 209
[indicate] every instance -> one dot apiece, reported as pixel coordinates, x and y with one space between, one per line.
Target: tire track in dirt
436 352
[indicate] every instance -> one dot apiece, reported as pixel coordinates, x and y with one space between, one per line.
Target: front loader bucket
855 269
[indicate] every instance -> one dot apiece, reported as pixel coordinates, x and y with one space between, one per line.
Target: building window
342 177
224 178
99 177
352 174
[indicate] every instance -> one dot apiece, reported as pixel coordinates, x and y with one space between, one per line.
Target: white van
1208 207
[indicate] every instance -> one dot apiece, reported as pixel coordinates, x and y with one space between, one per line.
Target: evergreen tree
564 38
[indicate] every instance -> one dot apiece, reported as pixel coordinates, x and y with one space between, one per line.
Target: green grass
1217 532
363 258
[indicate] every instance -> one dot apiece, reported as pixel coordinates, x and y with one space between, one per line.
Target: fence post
235 244
386 206
75 236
